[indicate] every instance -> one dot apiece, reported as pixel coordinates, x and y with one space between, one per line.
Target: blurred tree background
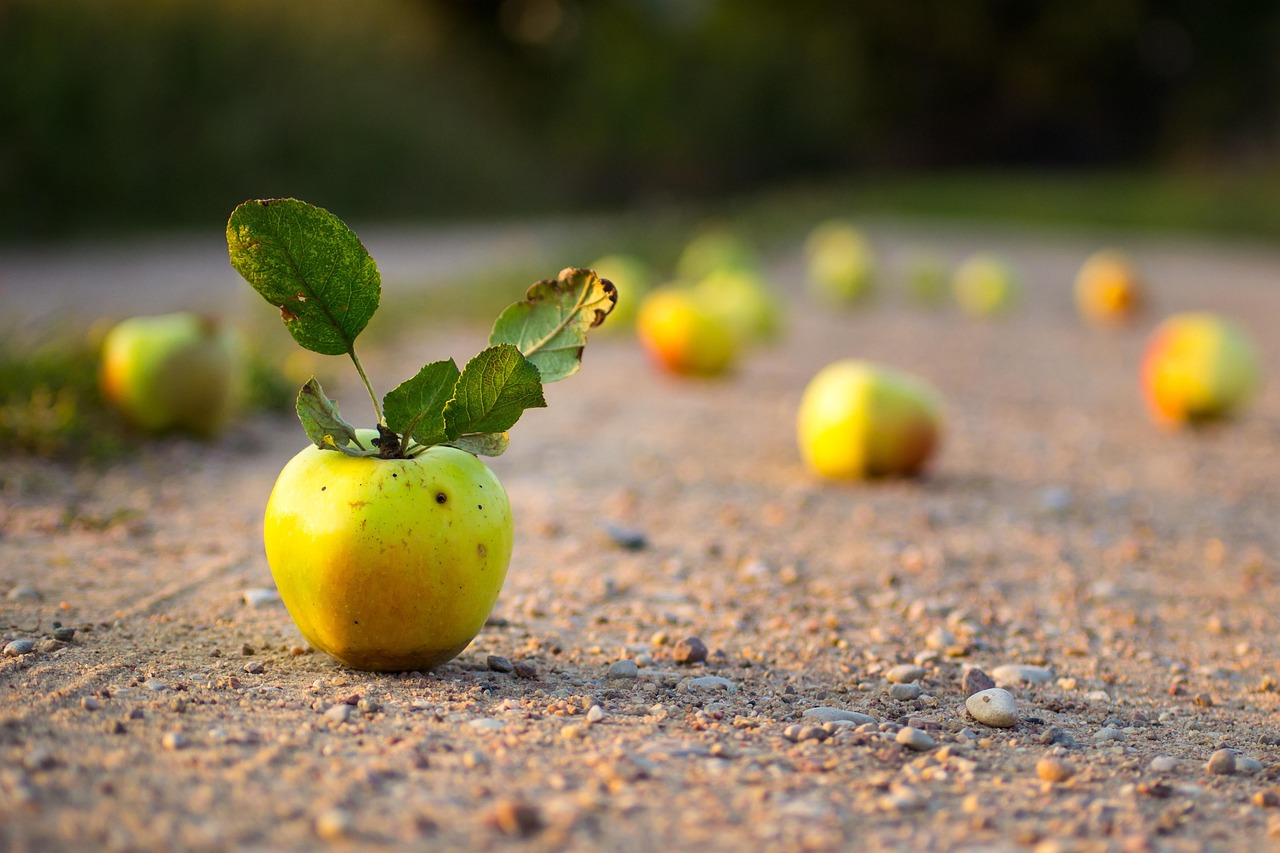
126 114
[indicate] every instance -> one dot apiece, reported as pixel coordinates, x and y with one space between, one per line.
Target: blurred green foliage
136 113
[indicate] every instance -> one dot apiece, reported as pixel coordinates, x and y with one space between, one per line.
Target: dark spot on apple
322 488
482 551
394 475
479 506
441 497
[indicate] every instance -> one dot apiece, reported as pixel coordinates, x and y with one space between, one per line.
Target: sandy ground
1134 570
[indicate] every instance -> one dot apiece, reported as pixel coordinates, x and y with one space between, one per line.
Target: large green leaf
416 407
493 391
310 265
550 324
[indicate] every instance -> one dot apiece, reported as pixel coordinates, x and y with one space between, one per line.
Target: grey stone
838 715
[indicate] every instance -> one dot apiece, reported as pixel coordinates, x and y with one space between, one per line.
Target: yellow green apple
633 278
841 265
1197 367
858 419
682 336
715 250
744 301
984 285
1108 289
388 564
179 371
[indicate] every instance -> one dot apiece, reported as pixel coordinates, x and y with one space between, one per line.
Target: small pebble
905 692
623 669
486 724
904 673
1222 763
156 685
627 538
595 715
689 651
1247 765
712 682
254 667
799 734
498 663
89 703
1163 764
838 715
258 597
173 740
49 646
1107 734
515 818
524 669
1012 675
994 707
334 824
339 713
975 681
1053 769
18 648
26 594
64 633
913 738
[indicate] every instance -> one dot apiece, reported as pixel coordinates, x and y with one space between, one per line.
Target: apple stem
368 387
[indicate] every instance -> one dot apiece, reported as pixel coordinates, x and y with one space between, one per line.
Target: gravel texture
1119 581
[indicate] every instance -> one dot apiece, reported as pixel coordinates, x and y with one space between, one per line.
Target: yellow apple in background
859 419
841 265
984 285
1108 290
715 250
633 278
180 371
682 336
1198 367
744 301
388 564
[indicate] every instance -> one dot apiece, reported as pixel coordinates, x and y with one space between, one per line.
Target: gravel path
1063 638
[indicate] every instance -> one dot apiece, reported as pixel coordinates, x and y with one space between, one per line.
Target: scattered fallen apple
715 250
840 262
178 371
1108 289
744 302
632 278
1198 367
984 285
682 336
858 419
390 546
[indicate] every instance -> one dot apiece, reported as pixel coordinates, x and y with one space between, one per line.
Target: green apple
858 419
715 250
1108 289
388 564
743 301
633 278
984 285
682 336
841 265
1198 367
179 371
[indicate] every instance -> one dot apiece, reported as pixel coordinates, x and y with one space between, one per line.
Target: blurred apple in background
859 419
985 285
841 265
716 250
1108 291
179 371
633 278
926 278
745 303
682 336
1198 367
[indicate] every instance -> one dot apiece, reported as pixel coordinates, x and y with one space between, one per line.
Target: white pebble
838 715
1011 675
905 673
913 738
710 682
994 707
486 724
257 597
339 713
1164 764
595 715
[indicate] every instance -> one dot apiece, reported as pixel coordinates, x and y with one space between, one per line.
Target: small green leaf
321 421
310 265
416 407
493 391
550 324
482 443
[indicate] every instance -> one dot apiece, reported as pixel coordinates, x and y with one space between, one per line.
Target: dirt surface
1057 530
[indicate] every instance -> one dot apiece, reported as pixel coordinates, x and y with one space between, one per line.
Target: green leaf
321 421
493 391
416 407
550 324
482 443
310 265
